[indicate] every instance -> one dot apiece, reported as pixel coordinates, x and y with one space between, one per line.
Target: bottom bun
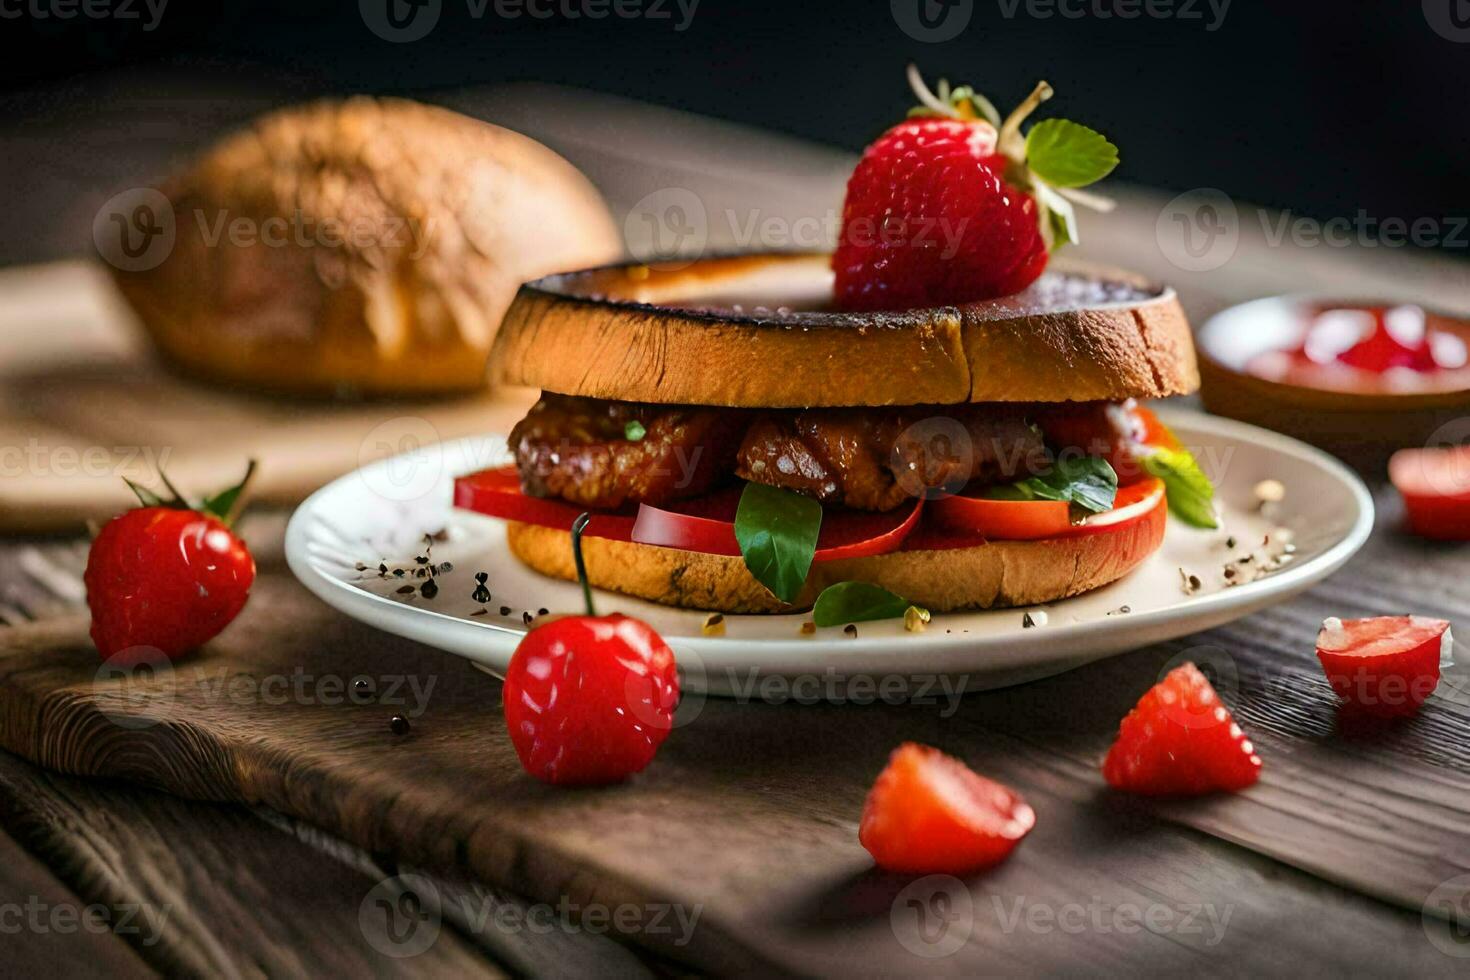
996 573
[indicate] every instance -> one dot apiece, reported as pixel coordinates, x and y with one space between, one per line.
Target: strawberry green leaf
146 497
777 533
1191 496
225 504
1061 219
856 602
1068 154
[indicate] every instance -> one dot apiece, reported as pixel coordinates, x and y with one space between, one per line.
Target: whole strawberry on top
955 205
167 577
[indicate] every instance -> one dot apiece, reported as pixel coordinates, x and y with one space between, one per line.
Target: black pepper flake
383 569
1246 560
526 618
480 612
404 589
505 610
480 595
429 589
440 535
850 629
398 573
542 611
482 577
1230 541
421 559
1194 582
445 567
398 725
1026 622
360 567
1229 572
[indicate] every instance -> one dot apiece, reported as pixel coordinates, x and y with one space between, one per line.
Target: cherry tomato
589 699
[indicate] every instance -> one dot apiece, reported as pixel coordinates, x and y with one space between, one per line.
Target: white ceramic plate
380 514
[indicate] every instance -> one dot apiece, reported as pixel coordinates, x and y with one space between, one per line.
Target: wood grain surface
748 818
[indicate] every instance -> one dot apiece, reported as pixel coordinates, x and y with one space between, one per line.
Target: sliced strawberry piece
1387 665
1179 740
929 813
1435 483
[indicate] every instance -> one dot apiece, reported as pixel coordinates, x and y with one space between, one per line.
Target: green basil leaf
777 532
1088 483
1068 154
1191 496
634 431
856 602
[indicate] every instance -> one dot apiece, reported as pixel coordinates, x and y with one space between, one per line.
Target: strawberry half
1385 666
929 813
1179 740
955 206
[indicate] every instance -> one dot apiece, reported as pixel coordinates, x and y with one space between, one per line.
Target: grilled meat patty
875 458
579 449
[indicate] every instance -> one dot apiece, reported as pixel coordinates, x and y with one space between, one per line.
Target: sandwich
935 416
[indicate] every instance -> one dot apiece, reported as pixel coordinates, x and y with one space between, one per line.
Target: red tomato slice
1028 520
1114 431
1435 483
707 524
497 493
1387 665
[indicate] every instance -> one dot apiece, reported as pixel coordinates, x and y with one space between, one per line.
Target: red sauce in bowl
1371 350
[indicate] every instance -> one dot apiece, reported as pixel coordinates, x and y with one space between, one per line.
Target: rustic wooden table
1348 858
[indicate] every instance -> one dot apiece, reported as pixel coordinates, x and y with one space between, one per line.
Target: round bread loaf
753 331
996 573
367 246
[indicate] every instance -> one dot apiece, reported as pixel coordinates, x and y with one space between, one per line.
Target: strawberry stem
238 504
1011 143
578 526
928 98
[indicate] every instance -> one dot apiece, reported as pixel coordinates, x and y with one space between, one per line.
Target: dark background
1322 107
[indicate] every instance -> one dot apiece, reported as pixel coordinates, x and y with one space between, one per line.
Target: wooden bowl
1362 428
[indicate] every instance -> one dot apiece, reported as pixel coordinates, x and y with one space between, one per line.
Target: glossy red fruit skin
1179 740
929 813
929 220
589 699
166 579
1386 666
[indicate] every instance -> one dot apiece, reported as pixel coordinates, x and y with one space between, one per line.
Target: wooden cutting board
747 820
83 403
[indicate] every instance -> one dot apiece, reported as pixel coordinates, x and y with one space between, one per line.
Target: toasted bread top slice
756 331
